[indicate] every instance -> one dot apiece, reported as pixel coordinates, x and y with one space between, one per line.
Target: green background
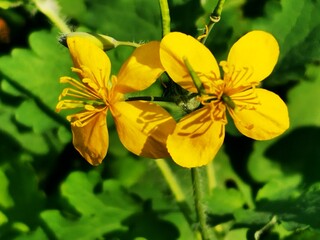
47 191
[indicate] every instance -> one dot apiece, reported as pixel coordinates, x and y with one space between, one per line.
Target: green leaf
49 61
28 199
100 213
29 114
280 188
224 174
121 19
304 235
119 169
85 228
14 138
180 222
298 37
3 218
251 217
38 234
302 99
239 234
10 4
294 209
224 201
6 200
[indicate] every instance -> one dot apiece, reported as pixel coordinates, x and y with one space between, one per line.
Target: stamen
217 112
70 92
206 99
77 70
81 119
235 77
91 83
96 84
76 84
69 104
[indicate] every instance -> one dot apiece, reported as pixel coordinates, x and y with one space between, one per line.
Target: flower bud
102 41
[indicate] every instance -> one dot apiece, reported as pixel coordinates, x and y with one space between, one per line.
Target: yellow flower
142 126
257 113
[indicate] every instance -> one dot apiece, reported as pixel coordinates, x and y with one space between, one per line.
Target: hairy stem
130 44
51 9
199 205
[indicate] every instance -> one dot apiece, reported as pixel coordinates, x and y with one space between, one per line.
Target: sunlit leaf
102 212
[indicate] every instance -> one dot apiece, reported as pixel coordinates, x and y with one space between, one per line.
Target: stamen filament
70 92
69 104
80 86
83 118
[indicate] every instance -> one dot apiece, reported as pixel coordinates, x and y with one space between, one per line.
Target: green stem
171 180
211 176
130 44
51 9
175 188
265 228
214 18
199 205
165 14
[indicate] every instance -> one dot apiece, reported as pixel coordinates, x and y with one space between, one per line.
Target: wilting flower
142 126
256 112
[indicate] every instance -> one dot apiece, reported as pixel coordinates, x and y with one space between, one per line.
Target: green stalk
214 18
211 176
130 44
165 14
175 188
205 231
171 180
51 9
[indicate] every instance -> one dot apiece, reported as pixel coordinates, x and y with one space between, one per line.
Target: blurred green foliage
47 191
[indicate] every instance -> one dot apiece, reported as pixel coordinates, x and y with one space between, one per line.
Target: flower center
228 101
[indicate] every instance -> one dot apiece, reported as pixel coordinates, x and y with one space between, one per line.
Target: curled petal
196 139
92 140
141 69
256 52
265 120
143 127
93 62
175 47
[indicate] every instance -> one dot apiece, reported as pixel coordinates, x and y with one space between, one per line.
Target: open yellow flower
142 126
257 113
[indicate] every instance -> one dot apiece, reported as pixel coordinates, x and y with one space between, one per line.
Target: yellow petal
92 140
85 53
196 139
141 69
268 120
256 51
143 127
175 47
